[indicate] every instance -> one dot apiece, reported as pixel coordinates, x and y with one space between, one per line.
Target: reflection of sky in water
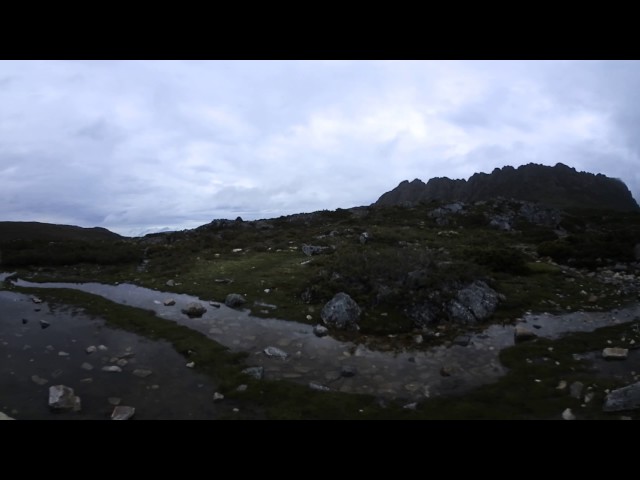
410 374
26 349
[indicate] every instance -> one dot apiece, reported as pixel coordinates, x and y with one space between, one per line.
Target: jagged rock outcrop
559 186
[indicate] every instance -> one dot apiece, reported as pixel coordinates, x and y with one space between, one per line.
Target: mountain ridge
559 186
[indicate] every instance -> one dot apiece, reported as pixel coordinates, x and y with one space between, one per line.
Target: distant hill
559 186
53 233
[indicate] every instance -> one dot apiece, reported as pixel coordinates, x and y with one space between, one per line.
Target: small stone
309 317
170 283
56 373
102 348
561 385
141 372
320 330
445 371
462 340
4 416
111 368
86 366
411 406
236 410
91 349
122 413
39 380
214 304
234 300
44 324
614 353
191 364
155 387
588 397
36 300
63 399
169 302
194 310
242 388
86 380
24 321
568 415
275 352
521 334
255 372
318 387
418 339
114 401
217 397
122 362
63 354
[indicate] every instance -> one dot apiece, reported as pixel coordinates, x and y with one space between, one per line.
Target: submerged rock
194 310
169 302
626 398
234 300
44 324
522 334
341 312
63 399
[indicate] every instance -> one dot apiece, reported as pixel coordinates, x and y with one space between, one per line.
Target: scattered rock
418 339
561 385
36 300
62 354
364 238
194 310
122 362
123 413
225 281
86 366
626 398
522 334
318 387
191 364
86 380
341 312
44 324
169 302
214 304
275 352
39 380
242 388
411 406
255 372
445 371
568 415
111 368
4 416
575 389
234 300
348 371
102 348
63 399
614 353
320 330
588 397
114 401
217 397
91 349
24 321
142 373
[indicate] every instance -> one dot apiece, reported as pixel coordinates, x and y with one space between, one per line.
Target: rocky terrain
424 305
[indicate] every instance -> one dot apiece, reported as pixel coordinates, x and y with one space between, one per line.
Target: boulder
63 399
626 398
320 331
474 303
234 300
194 309
341 312
522 334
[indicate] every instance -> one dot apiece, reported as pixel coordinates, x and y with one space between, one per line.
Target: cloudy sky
136 146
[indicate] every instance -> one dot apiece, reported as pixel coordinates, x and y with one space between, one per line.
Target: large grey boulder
234 300
63 399
626 398
474 303
341 312
194 309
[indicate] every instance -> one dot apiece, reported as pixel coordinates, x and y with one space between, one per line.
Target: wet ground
411 374
34 358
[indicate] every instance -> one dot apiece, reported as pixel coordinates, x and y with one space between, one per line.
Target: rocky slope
559 186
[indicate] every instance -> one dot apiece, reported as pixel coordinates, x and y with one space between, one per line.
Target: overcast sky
135 146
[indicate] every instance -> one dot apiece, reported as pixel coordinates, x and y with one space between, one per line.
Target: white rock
568 415
218 397
86 366
111 368
91 349
275 352
191 364
102 348
4 416
614 353
63 354
169 302
122 413
63 399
